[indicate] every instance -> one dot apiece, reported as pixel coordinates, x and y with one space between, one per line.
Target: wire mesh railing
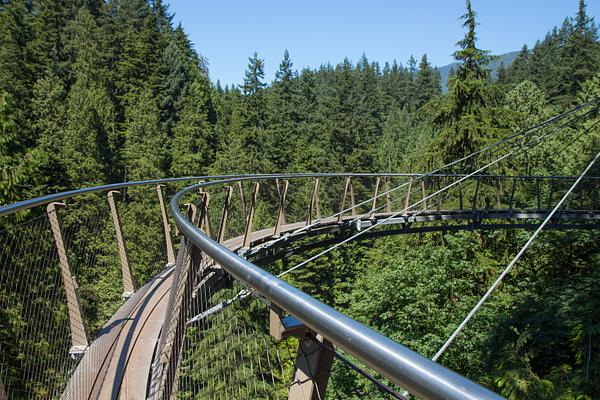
37 352
62 282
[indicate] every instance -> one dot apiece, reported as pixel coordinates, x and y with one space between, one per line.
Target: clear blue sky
227 32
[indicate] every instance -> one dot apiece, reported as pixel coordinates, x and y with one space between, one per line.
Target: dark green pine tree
180 63
470 114
501 74
337 113
366 118
89 124
146 143
246 140
283 116
518 71
10 149
254 93
48 108
427 83
314 156
194 142
580 58
16 65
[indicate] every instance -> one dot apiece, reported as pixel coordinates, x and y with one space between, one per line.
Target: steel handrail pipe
404 367
43 200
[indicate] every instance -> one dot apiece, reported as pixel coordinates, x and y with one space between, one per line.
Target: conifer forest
106 91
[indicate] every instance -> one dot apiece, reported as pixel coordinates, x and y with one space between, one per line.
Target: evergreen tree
501 77
519 69
10 149
467 116
146 144
89 122
253 90
193 137
427 83
247 141
580 56
283 116
49 113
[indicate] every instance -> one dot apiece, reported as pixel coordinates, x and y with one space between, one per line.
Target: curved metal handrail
41 200
401 365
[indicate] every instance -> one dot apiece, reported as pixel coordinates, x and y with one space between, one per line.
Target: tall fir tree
427 83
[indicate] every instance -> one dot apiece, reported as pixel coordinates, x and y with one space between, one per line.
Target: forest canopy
95 92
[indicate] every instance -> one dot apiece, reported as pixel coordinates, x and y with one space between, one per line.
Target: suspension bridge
203 309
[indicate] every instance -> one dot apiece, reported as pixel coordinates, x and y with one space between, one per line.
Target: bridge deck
117 364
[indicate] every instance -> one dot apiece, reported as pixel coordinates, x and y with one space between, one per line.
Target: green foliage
97 92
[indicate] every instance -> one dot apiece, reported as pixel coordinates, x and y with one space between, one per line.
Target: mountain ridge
506 58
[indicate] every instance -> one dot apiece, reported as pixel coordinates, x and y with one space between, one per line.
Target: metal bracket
282 327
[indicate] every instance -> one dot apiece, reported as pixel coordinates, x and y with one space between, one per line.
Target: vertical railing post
343 201
204 221
312 369
315 204
79 339
243 199
439 196
512 194
192 212
166 226
388 196
226 207
374 205
498 189
407 199
281 210
352 200
537 193
550 196
460 196
128 286
424 194
248 233
476 195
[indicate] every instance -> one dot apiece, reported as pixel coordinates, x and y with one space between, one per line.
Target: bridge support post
388 196
313 359
312 369
281 210
128 286
243 200
192 212
347 187
248 232
79 339
512 194
226 207
374 206
407 200
166 226
423 199
476 195
315 204
204 220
